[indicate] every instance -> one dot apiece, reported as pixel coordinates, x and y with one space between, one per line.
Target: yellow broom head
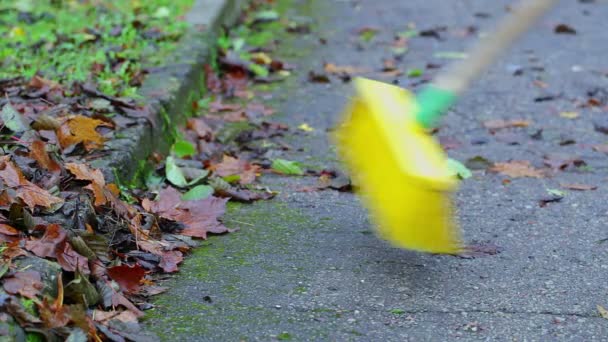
400 171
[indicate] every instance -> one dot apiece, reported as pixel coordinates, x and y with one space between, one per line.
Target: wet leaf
40 155
47 246
12 119
183 148
26 283
367 33
128 278
198 192
494 125
579 187
569 115
517 169
169 261
231 166
478 163
457 169
603 312
287 167
81 129
95 176
564 29
44 122
174 174
80 290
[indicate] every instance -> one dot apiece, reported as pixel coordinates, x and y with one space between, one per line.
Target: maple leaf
234 166
169 261
26 283
98 182
81 129
31 194
198 216
517 169
200 127
40 155
127 277
46 247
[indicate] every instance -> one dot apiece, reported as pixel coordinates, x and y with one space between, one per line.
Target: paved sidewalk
306 265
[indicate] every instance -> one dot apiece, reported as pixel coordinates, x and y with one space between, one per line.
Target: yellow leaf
17 32
306 128
569 115
603 312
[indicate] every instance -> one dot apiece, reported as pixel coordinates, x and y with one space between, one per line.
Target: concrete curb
169 91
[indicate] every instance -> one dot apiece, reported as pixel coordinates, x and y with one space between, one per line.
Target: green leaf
284 336
556 192
267 16
258 70
408 33
458 169
183 148
174 174
287 167
397 311
12 119
198 192
414 72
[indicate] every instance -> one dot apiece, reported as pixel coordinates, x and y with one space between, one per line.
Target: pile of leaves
105 245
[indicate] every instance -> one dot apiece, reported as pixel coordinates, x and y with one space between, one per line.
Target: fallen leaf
169 261
200 127
95 176
480 249
564 29
367 33
569 115
562 162
451 55
12 119
8 230
603 312
127 277
40 155
198 192
31 194
579 187
601 148
494 125
318 78
478 163
457 169
230 166
287 167
47 246
305 127
198 217
81 129
517 169
26 283
334 69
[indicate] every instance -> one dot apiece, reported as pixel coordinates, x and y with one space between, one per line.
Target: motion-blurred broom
401 171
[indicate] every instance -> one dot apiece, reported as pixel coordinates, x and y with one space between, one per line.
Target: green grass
104 41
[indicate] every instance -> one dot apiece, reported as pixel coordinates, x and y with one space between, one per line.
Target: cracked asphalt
307 267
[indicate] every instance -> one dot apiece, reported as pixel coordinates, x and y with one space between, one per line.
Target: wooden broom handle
457 79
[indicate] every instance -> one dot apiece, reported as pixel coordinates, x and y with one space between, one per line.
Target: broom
401 171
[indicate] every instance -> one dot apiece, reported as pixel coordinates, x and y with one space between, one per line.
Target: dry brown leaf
31 194
517 169
40 155
234 166
26 283
81 129
579 187
334 69
98 182
500 124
